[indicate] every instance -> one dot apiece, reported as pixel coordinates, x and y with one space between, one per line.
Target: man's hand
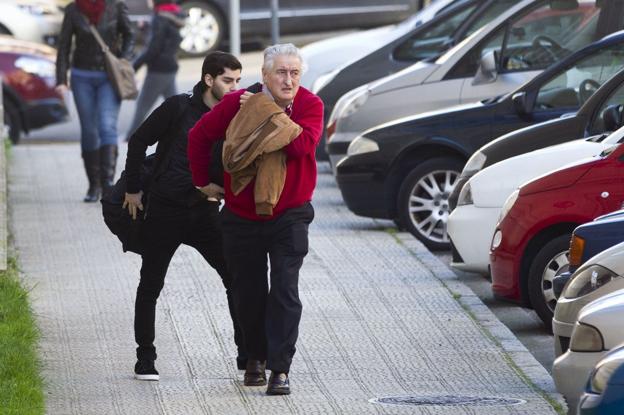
213 190
245 97
133 201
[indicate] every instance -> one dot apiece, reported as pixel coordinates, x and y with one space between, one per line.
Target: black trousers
164 230
269 317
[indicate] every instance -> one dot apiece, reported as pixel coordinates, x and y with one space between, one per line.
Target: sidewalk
382 316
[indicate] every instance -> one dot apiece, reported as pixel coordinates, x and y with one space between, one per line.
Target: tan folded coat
253 149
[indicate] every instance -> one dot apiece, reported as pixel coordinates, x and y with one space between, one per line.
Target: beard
217 93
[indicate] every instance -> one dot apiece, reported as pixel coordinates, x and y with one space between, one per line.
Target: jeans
269 317
98 108
156 84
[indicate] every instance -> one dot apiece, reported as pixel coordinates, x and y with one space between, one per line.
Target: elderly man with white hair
267 212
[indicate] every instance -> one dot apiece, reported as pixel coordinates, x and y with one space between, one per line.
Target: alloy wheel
555 267
429 204
202 31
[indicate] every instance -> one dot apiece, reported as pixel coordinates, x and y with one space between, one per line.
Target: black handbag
117 219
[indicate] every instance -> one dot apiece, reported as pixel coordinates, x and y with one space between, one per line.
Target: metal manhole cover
447 400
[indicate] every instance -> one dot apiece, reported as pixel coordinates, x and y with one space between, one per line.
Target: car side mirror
488 69
522 103
613 117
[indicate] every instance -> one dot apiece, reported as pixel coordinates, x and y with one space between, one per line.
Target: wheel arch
414 155
533 247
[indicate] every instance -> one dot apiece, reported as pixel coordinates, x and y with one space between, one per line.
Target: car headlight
604 369
586 338
343 102
362 145
474 164
40 67
587 280
511 200
465 195
322 81
354 104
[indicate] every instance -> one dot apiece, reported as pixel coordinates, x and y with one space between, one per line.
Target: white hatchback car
327 56
498 58
598 330
34 20
473 222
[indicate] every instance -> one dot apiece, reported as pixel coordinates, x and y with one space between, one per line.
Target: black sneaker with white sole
145 370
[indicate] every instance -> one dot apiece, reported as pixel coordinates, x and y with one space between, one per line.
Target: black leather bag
117 219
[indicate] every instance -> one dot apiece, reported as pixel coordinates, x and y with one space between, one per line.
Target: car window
572 87
616 98
539 37
430 43
542 36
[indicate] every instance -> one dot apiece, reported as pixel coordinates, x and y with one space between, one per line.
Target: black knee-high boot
91 161
108 161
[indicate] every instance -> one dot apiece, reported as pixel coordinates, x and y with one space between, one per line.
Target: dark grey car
207 20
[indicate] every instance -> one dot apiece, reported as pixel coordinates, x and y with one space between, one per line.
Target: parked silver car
207 20
495 60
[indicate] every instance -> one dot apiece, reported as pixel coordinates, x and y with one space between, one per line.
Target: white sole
146 377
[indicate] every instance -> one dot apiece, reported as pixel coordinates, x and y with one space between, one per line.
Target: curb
518 354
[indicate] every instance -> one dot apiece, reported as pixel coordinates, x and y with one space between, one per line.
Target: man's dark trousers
164 230
269 318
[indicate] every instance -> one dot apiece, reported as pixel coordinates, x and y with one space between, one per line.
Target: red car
28 79
530 245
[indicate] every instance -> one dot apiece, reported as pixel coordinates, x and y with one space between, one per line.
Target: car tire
204 29
12 121
423 208
550 260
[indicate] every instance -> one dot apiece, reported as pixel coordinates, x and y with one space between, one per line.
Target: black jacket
167 127
114 27
162 47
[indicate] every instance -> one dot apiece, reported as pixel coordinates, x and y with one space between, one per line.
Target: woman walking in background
160 58
96 101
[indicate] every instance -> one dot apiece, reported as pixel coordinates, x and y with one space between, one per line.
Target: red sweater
307 111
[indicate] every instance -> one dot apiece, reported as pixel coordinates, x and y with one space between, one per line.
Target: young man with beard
176 212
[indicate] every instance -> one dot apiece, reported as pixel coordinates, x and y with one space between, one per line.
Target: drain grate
447 400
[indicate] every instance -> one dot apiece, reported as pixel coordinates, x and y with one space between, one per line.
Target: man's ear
208 80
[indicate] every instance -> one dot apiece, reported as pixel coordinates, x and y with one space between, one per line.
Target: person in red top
269 319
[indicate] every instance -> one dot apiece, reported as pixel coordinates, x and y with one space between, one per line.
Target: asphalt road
524 323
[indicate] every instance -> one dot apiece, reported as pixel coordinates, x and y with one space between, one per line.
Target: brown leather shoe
255 374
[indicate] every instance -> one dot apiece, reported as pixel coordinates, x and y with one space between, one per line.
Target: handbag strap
96 34
99 39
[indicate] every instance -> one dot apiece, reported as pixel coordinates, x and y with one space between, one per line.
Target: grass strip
21 384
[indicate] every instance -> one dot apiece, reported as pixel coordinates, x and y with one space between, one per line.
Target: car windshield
574 85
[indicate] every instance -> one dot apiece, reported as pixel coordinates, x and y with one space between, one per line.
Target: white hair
281 49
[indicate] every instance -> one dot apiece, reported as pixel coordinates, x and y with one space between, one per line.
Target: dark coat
114 27
167 127
162 47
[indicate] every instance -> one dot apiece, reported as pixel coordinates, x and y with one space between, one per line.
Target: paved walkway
382 316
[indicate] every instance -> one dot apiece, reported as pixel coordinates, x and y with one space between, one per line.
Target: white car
600 275
494 60
325 56
473 222
598 330
34 20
